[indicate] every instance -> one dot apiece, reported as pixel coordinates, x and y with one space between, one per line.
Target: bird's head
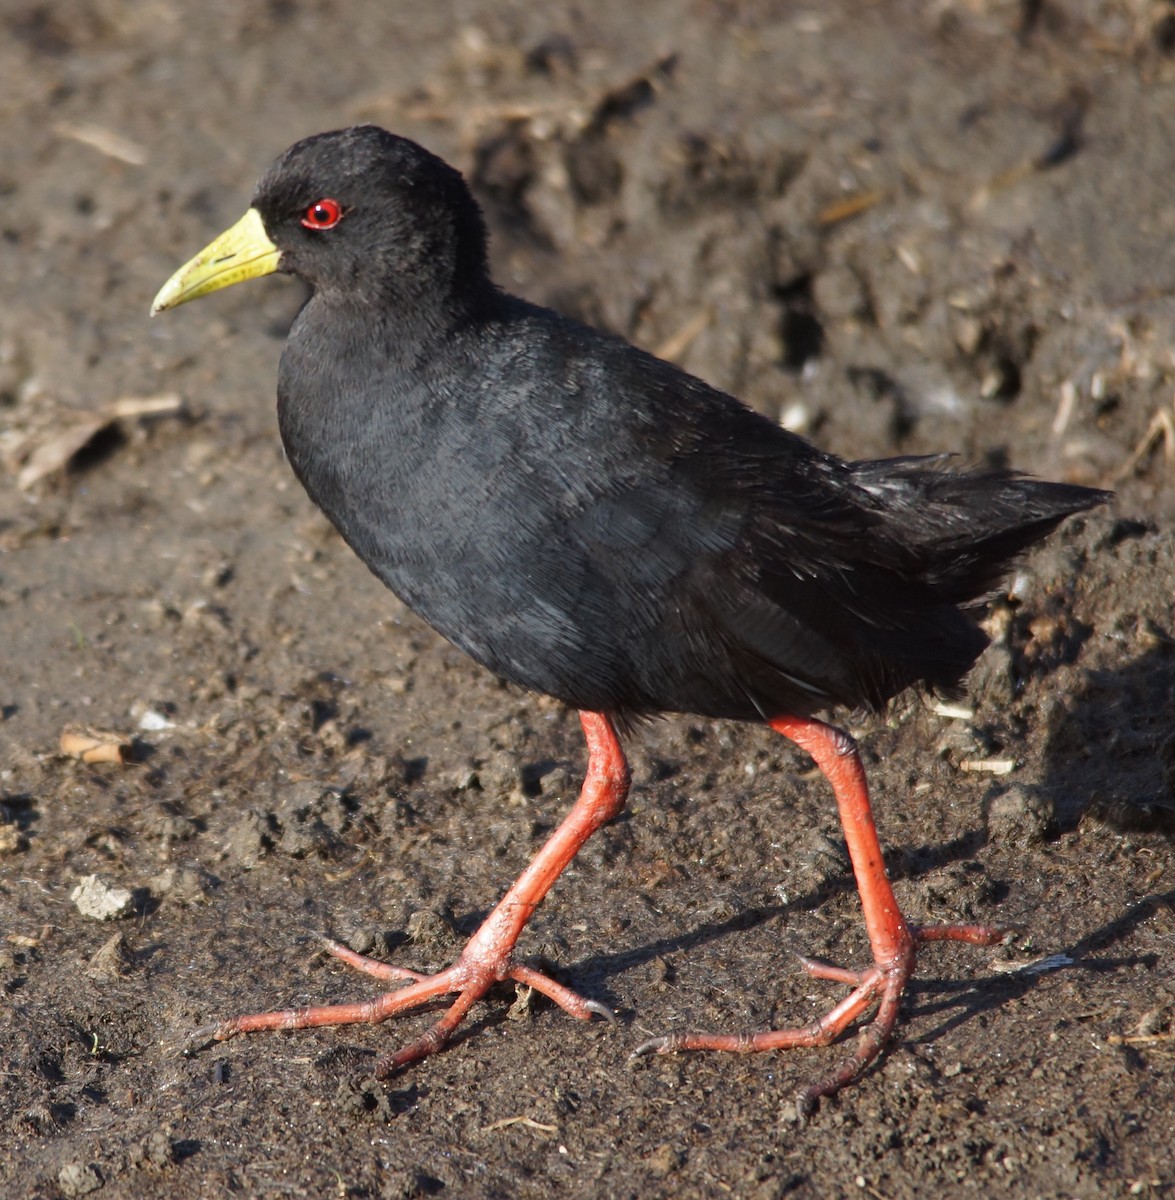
360 214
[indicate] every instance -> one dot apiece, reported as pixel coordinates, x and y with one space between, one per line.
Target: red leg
893 940
488 955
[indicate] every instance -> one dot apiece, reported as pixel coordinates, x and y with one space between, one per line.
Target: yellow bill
240 253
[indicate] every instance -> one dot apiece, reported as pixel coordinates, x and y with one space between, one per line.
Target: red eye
323 214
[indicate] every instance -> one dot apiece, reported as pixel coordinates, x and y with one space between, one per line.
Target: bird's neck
406 324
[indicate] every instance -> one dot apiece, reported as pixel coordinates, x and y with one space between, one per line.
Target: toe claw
657 1045
201 1039
807 1101
601 1010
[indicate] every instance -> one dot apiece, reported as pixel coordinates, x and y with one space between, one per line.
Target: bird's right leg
488 956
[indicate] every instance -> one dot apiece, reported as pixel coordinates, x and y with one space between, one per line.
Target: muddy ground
900 227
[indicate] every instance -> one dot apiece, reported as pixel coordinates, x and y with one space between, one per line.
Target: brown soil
902 227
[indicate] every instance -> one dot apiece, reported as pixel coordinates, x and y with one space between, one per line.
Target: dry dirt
898 226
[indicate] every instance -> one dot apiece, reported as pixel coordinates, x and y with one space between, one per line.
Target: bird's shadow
1109 757
966 999
1111 751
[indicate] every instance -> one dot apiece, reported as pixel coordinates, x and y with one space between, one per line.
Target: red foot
880 986
488 957
469 978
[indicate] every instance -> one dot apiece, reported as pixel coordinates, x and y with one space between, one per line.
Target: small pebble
101 901
1019 815
78 1179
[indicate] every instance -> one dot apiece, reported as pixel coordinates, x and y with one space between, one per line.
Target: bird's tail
963 528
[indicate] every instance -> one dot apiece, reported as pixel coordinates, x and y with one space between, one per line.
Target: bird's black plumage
595 524
583 518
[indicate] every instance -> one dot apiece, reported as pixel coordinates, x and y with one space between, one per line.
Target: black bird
592 523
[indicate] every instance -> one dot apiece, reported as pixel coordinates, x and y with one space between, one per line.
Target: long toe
822 1032
365 1012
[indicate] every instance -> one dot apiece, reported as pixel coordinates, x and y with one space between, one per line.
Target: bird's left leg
488 956
893 940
